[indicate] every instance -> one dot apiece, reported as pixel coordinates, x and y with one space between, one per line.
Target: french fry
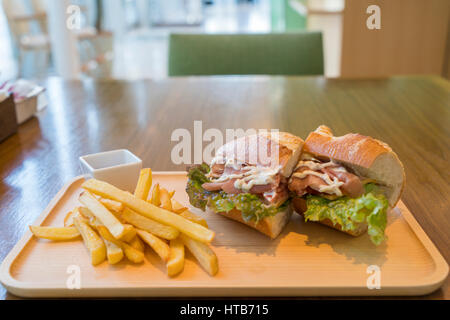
194 218
115 224
166 203
149 225
203 253
156 200
68 219
148 210
112 205
55 233
104 215
131 253
89 217
130 233
144 184
185 213
119 216
137 243
177 207
83 212
175 264
114 253
159 246
104 232
92 241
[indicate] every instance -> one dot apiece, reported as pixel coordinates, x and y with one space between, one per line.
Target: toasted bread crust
268 149
271 226
285 139
353 147
294 144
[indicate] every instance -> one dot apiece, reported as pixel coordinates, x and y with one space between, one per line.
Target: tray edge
6 278
23 289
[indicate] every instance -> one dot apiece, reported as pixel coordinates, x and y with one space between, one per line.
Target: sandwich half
247 181
347 182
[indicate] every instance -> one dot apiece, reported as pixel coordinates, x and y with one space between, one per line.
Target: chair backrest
14 8
299 53
40 6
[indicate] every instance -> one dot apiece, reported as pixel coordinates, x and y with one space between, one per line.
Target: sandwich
247 181
347 183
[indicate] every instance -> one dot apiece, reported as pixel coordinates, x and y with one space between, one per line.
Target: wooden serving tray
307 259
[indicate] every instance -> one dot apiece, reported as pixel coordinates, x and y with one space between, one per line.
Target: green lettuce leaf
371 207
251 206
198 196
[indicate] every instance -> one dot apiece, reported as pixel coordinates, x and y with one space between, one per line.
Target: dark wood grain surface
411 114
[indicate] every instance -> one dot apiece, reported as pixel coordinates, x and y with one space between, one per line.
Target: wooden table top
411 114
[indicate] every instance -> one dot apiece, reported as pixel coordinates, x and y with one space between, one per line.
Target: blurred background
128 39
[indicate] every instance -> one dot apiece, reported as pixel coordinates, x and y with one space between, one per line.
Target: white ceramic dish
26 108
118 167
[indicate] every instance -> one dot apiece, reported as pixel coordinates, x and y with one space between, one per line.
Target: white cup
118 167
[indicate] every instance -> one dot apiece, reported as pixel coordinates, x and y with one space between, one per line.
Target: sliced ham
300 186
228 187
217 169
352 185
273 193
213 186
278 196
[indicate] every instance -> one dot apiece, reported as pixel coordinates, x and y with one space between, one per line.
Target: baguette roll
365 156
284 151
368 158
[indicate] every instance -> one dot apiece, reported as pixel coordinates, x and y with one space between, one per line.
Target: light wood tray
307 259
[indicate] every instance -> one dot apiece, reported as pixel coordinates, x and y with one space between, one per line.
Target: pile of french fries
115 224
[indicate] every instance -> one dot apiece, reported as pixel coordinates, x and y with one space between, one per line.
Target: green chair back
298 53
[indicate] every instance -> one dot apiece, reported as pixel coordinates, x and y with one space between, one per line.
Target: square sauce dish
119 167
